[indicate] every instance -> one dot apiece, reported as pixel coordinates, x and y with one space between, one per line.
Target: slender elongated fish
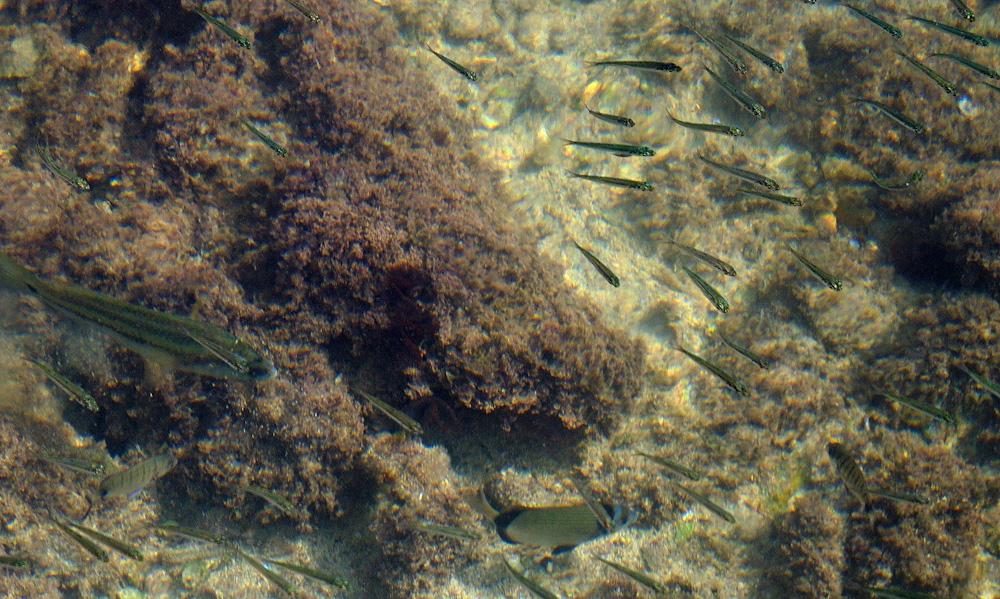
727 378
849 471
447 531
74 391
108 541
716 263
710 292
319 575
234 35
771 63
975 38
893 30
734 61
897 496
158 336
710 127
672 466
984 382
949 87
614 181
91 547
717 509
894 114
461 70
645 65
774 197
964 10
67 176
888 592
275 146
80 465
276 499
132 479
831 281
985 70
739 95
305 10
273 577
614 119
14 561
533 587
602 268
746 352
643 579
405 422
742 174
922 407
189 532
622 150
559 527
916 177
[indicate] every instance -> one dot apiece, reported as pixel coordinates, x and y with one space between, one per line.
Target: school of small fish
185 344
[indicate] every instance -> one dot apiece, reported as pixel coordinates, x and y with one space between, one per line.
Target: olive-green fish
80 465
276 499
716 263
602 268
133 479
305 10
889 593
405 422
614 181
849 471
447 531
273 577
922 407
911 181
234 35
734 61
14 561
559 527
329 579
533 587
985 70
771 63
614 119
717 371
275 146
710 292
746 352
710 127
894 114
949 87
774 197
74 391
741 97
742 174
956 31
175 341
623 150
643 579
461 70
119 546
893 30
189 532
831 281
984 382
963 10
67 176
645 65
83 541
897 496
717 509
672 466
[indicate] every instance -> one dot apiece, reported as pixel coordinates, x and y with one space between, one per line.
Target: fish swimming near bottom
131 480
849 471
560 527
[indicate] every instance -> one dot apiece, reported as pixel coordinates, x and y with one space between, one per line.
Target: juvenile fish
915 178
196 534
949 87
616 149
272 577
74 391
771 63
68 177
710 292
922 407
734 61
646 65
83 541
614 119
275 146
559 527
448 531
985 70
85 466
893 31
119 546
767 195
614 181
13 561
533 587
236 36
964 10
602 268
956 31
710 127
727 378
405 422
895 496
705 501
889 593
461 70
639 577
849 471
757 359
984 382
308 12
329 579
831 281
739 95
743 174
894 114
672 466
716 263
131 480
275 499
158 336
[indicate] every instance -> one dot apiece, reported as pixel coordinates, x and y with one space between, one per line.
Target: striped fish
849 471
132 480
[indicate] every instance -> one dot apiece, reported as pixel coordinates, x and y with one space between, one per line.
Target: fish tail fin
15 277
